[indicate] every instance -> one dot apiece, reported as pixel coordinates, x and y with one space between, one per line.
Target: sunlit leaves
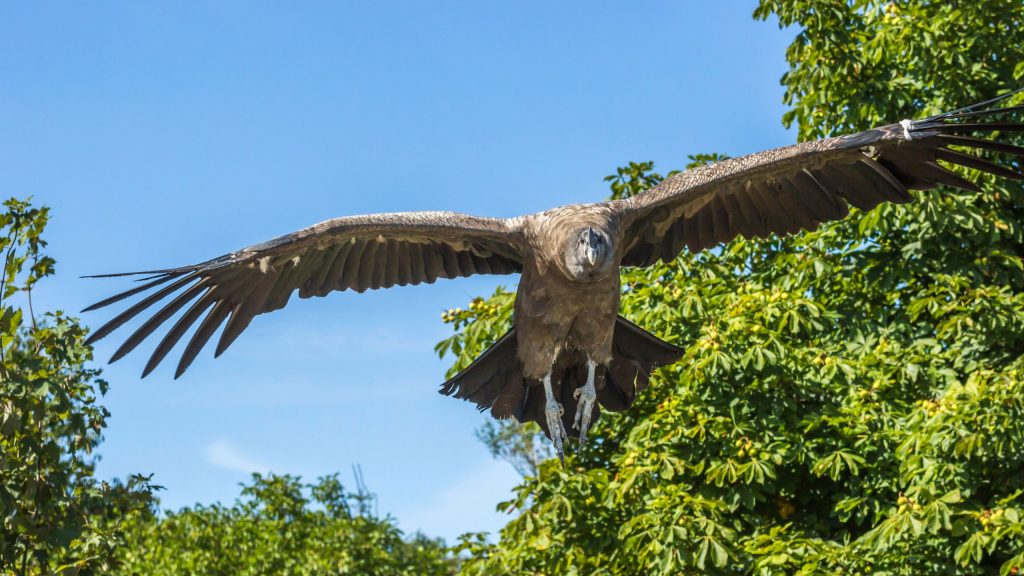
835 464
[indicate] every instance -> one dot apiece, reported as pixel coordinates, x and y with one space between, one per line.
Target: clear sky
163 135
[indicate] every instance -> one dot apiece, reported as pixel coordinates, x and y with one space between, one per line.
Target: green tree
851 400
55 516
281 526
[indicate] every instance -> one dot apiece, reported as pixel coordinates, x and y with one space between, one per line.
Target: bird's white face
589 254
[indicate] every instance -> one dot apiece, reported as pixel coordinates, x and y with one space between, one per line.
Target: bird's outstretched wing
352 253
800 186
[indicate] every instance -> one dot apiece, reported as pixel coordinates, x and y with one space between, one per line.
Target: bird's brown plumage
797 187
350 253
565 313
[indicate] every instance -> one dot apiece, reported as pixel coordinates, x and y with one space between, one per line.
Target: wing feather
705 228
719 219
134 310
844 189
753 220
353 253
364 278
391 264
202 335
243 314
159 318
310 268
416 255
404 264
350 269
320 283
380 266
433 262
152 281
799 187
178 330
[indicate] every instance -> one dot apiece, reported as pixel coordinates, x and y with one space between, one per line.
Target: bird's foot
553 410
586 395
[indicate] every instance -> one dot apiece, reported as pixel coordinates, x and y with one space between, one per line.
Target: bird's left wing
800 186
351 253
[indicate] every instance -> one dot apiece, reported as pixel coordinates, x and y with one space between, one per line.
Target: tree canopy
281 526
56 517
851 399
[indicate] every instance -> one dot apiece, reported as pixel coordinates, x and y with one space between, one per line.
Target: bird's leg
587 395
553 410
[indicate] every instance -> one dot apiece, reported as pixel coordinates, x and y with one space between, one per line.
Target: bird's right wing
351 253
783 190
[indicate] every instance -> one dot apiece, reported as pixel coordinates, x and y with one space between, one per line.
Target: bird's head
589 254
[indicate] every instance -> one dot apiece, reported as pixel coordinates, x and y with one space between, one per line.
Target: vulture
569 346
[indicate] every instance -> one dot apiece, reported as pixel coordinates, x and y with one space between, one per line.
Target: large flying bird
568 340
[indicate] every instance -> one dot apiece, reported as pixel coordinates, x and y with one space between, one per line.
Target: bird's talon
555 428
587 395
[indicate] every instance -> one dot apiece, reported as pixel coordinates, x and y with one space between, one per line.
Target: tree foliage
55 516
851 400
281 526
58 519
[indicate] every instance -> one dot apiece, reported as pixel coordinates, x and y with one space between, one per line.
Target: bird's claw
554 412
586 395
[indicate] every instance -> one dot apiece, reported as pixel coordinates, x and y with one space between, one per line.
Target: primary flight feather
568 339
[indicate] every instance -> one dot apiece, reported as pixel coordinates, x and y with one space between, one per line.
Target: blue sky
163 135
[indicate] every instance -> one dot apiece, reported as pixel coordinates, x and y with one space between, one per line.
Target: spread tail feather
492 380
495 380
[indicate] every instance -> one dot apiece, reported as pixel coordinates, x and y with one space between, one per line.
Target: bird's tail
495 382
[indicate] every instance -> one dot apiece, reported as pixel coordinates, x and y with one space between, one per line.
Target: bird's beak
591 251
